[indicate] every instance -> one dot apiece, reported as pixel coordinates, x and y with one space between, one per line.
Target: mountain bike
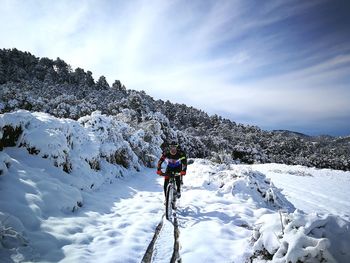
170 196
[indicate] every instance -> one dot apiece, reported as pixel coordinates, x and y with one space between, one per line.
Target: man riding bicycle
176 163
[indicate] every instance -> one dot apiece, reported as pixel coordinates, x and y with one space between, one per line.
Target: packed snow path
121 227
115 223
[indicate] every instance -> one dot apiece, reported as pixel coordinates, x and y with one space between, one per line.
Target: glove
182 173
159 172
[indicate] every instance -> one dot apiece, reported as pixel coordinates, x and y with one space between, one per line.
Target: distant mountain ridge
320 138
52 86
324 137
291 133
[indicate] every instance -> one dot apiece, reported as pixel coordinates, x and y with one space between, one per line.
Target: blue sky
275 64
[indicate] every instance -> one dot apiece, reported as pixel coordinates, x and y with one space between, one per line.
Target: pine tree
89 79
79 76
62 69
118 86
102 83
2 72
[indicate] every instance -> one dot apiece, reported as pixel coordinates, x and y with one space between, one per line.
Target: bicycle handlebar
170 174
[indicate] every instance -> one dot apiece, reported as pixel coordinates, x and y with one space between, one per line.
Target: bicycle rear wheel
169 202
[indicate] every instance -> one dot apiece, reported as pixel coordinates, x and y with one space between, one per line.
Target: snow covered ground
116 223
226 216
227 213
311 189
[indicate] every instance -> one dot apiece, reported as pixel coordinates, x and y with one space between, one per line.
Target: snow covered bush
251 186
75 145
133 145
11 232
254 185
305 238
221 157
146 142
5 162
109 133
9 135
63 141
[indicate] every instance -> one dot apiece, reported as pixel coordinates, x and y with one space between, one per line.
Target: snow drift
279 231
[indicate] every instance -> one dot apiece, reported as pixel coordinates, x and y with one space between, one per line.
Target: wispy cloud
269 63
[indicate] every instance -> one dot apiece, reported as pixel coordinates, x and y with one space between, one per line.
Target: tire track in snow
158 249
176 254
149 252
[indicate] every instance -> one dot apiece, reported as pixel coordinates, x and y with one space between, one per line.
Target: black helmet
173 144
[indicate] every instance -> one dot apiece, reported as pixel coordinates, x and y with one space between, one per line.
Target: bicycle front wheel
169 202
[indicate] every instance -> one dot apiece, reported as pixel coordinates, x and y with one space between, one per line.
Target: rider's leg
178 183
166 182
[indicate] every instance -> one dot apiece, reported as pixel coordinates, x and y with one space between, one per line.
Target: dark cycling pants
178 184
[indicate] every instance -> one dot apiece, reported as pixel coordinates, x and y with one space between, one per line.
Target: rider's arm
161 160
183 159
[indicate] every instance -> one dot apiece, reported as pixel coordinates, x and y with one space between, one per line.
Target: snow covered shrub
108 132
221 157
9 135
140 147
254 186
146 142
248 153
5 162
191 145
11 233
144 137
306 238
63 141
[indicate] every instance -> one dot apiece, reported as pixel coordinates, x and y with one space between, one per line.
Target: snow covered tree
102 83
2 72
62 69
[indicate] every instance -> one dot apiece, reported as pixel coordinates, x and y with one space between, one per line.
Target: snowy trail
164 245
212 227
122 232
150 249
115 223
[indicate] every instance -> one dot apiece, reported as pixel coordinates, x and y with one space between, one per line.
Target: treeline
52 86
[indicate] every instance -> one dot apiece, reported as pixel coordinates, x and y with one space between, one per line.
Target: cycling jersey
175 163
